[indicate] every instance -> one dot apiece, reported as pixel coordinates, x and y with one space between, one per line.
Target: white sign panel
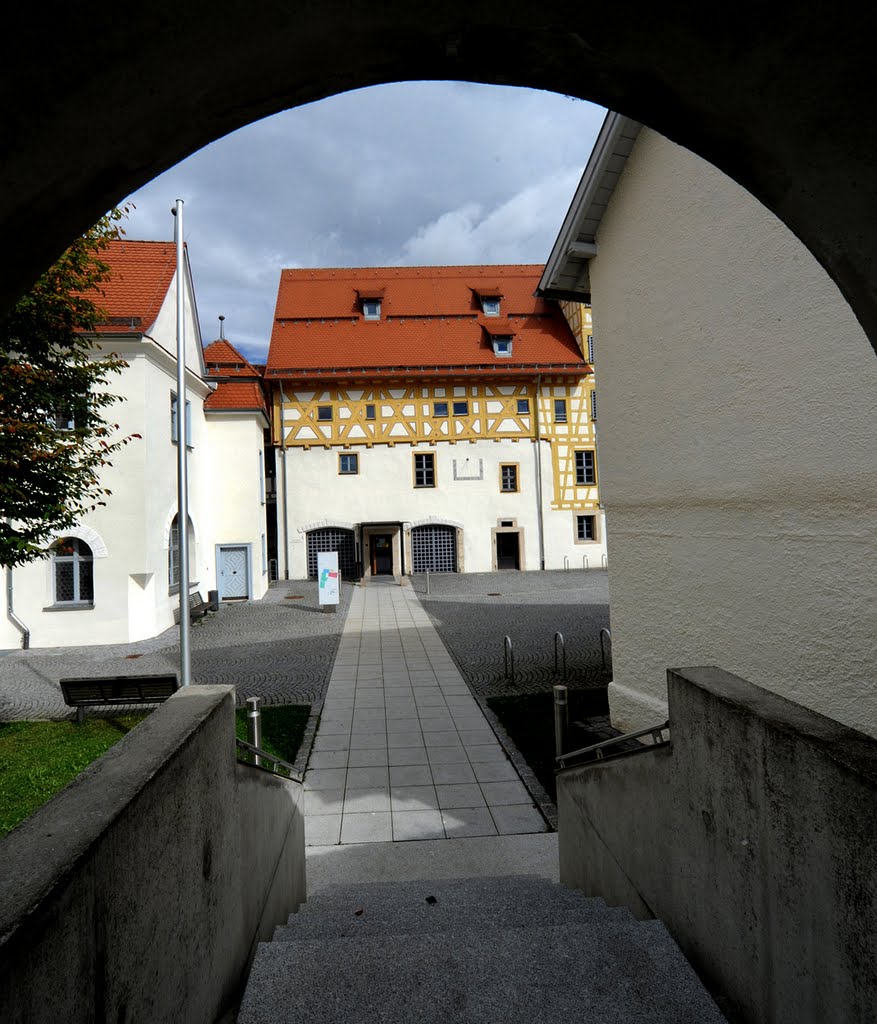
328 576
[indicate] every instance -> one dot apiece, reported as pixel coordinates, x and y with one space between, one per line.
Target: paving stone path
280 648
473 612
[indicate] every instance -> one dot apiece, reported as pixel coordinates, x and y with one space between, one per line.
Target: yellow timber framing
405 414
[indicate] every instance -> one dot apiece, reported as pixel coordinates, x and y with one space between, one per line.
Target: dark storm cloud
398 174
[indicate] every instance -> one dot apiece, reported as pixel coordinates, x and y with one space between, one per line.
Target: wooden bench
109 690
198 607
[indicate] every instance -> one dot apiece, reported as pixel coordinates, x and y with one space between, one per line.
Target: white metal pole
182 454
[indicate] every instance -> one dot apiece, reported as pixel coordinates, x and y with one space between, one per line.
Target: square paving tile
328 759
465 795
410 775
357 801
404 738
407 755
462 822
517 819
368 827
325 778
362 778
373 740
331 726
474 737
498 793
448 774
442 738
486 752
324 801
369 699
323 830
331 742
495 771
430 700
413 798
412 825
368 758
446 755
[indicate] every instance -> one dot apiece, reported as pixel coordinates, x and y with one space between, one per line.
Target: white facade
738 447
130 537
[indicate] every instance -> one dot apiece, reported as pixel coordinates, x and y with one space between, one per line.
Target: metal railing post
566 563
608 636
427 583
563 648
254 726
604 561
508 656
584 562
561 720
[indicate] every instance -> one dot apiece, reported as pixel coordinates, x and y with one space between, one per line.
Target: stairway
509 950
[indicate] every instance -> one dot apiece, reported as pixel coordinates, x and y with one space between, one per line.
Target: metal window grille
593 405
434 549
509 478
329 539
560 410
590 348
424 471
173 554
73 571
585 527
585 473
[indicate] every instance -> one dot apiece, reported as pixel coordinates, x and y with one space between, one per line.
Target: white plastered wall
467 493
738 447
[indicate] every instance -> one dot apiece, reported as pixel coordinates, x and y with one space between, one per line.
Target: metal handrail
508 656
563 648
585 563
259 757
566 563
602 649
599 749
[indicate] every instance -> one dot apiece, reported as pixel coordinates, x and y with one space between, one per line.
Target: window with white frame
586 472
502 345
490 305
371 309
72 572
175 426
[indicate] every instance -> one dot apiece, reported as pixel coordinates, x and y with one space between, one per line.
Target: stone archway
779 99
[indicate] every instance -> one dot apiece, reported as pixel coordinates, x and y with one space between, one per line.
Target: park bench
198 607
109 690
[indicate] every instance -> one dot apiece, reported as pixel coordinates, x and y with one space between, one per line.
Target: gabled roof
238 388
566 272
431 323
141 276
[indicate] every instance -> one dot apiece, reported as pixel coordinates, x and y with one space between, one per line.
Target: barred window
72 570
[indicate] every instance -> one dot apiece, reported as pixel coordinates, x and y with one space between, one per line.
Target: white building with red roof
115 576
431 419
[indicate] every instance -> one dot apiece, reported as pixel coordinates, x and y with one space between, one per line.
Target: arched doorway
782 110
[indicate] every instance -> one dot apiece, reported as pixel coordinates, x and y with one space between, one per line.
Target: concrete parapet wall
138 893
752 837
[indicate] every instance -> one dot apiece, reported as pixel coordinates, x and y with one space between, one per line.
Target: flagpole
182 454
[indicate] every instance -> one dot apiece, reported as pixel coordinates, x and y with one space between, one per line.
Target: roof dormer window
489 296
490 306
371 309
502 344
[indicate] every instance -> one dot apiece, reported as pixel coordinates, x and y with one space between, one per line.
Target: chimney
221 327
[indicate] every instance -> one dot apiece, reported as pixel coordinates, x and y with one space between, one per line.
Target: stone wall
139 892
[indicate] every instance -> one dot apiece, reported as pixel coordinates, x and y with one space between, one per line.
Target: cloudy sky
418 173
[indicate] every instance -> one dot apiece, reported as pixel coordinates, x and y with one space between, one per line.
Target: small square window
324 412
424 470
523 406
369 412
461 408
560 410
440 408
590 348
371 309
586 528
348 465
508 478
490 306
586 472
502 346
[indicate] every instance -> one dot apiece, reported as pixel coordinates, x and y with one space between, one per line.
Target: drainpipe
539 477
13 618
285 490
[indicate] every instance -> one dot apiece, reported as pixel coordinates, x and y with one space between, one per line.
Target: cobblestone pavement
280 648
473 612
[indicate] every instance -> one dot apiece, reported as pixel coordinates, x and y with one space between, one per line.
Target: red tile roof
141 276
222 359
431 324
237 396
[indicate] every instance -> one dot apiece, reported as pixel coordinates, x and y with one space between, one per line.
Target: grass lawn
529 720
37 759
282 728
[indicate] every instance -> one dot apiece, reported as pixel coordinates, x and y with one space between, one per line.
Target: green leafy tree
54 439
